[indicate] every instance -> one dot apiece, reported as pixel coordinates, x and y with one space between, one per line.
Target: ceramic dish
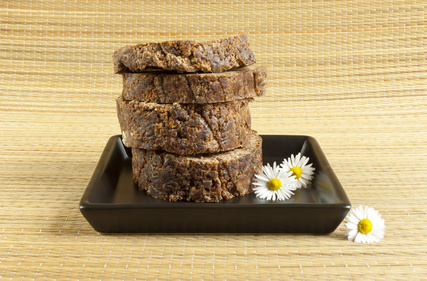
112 203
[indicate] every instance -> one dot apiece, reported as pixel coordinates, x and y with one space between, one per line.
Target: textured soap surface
185 129
185 56
201 178
166 87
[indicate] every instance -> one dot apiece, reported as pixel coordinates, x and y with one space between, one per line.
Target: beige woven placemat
352 74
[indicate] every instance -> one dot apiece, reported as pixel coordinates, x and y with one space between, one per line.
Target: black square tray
112 203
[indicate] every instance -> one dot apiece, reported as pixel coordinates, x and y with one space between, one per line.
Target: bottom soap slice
199 178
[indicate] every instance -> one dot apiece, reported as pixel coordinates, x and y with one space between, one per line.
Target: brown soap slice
184 129
185 56
165 87
208 178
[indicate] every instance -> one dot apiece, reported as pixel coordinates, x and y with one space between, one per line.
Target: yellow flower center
364 226
296 171
274 184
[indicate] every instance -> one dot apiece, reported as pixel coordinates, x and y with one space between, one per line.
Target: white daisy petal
297 159
261 177
352 219
371 213
351 226
378 235
303 161
365 211
352 234
305 176
303 181
358 213
380 226
267 170
358 237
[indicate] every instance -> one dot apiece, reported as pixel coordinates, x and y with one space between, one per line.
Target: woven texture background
352 74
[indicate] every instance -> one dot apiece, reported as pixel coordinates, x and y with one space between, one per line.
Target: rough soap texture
185 129
208 178
165 87
185 56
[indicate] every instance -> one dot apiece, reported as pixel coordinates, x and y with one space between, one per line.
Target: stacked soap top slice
185 56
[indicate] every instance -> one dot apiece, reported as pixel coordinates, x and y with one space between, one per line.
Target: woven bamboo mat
352 74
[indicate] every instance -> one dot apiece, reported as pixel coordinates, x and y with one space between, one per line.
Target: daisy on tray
274 183
297 165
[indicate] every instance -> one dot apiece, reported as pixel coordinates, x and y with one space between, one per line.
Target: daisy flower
274 183
299 168
365 225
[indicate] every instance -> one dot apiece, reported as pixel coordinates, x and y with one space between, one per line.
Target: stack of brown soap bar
184 111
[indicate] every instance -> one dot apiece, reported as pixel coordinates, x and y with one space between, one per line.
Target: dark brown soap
208 178
161 87
185 56
185 129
